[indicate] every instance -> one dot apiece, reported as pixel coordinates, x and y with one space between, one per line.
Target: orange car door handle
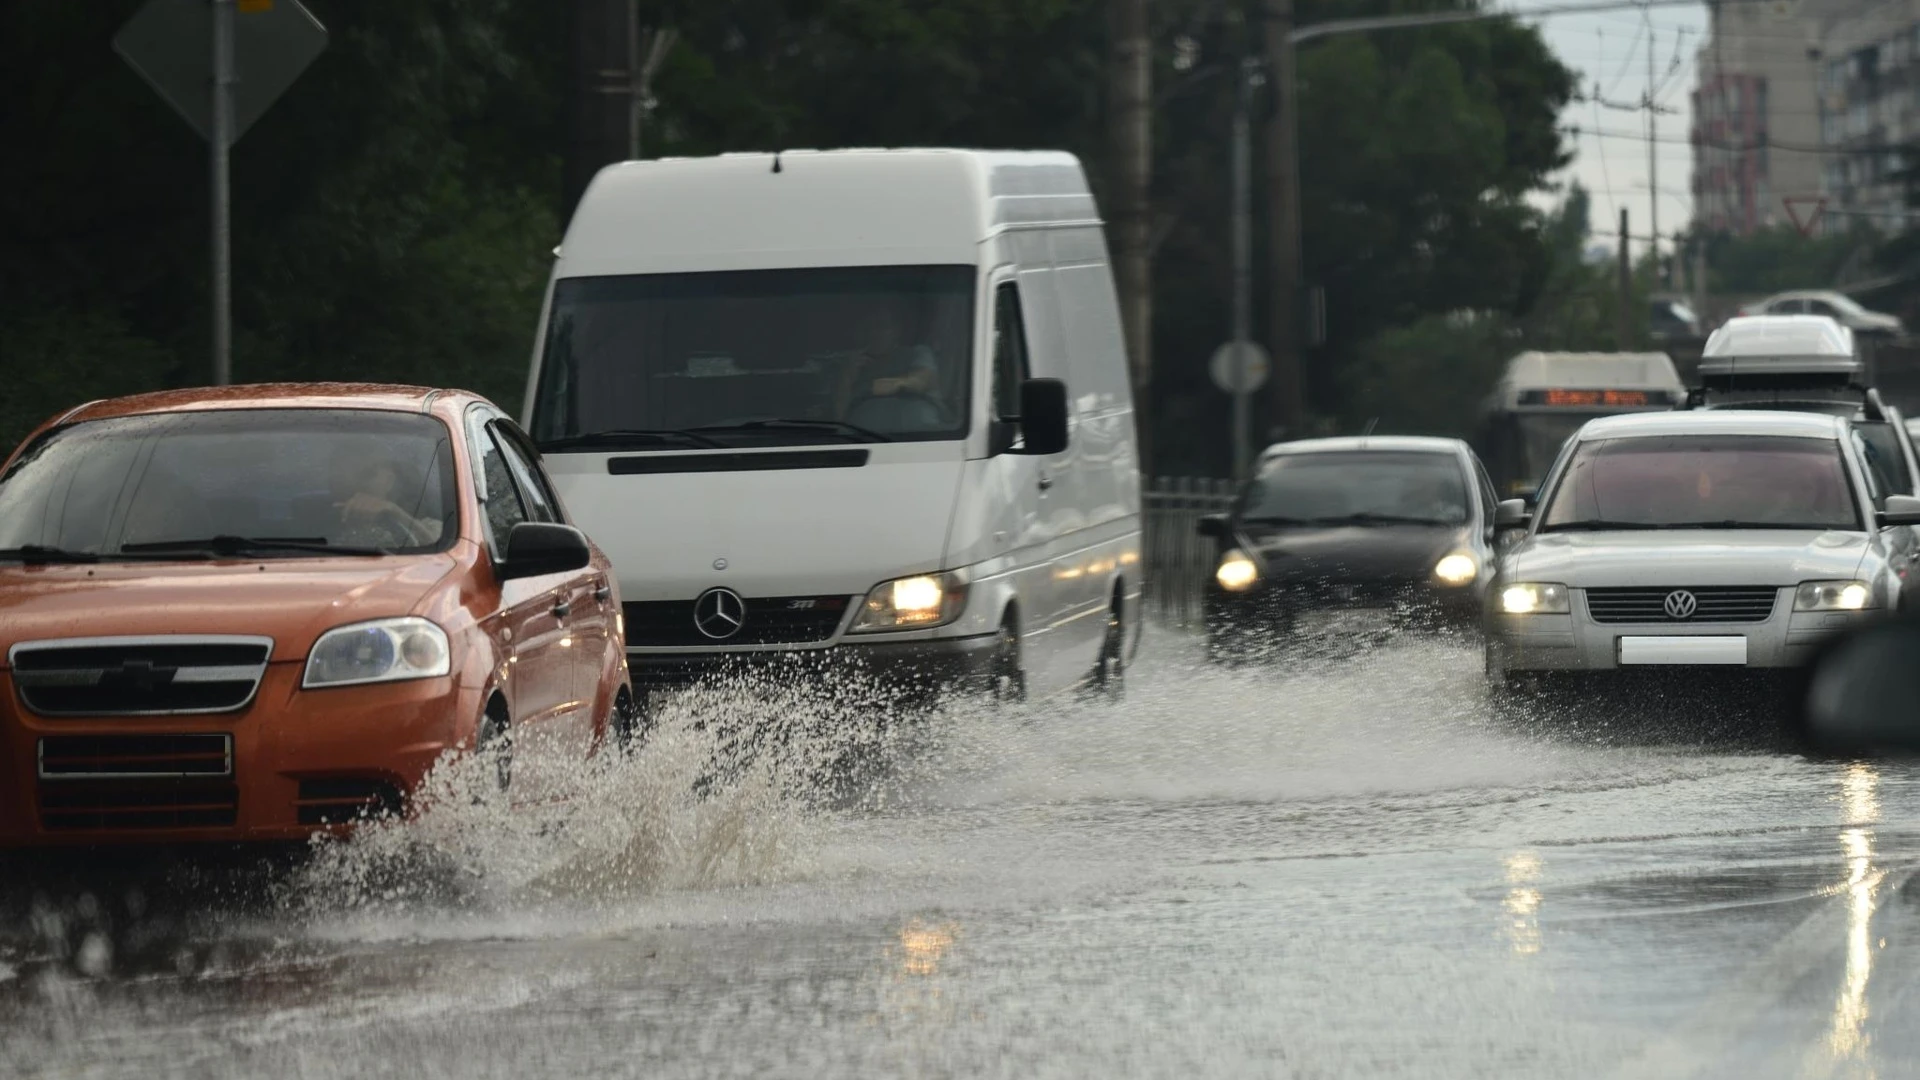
562 609
603 593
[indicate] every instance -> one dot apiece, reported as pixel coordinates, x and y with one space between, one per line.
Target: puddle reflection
1522 903
1847 1037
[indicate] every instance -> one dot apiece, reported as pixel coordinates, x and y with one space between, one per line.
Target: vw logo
719 613
1680 604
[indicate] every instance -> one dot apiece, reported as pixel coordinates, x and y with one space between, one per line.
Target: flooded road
1346 871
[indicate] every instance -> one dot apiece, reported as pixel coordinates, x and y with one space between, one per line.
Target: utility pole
1288 394
642 63
1623 332
1242 258
1653 170
1129 141
222 144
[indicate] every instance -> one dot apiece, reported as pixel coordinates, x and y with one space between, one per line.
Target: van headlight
385 650
1456 569
910 603
1534 598
1832 596
1236 572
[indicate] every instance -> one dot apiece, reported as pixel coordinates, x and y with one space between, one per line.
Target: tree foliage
395 211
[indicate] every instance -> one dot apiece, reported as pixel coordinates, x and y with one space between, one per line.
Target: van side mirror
1900 510
1214 525
1512 514
537 548
1043 417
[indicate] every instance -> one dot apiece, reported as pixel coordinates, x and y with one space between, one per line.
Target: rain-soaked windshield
1701 481
1388 487
281 480
886 350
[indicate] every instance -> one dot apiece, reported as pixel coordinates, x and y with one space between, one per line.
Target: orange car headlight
385 650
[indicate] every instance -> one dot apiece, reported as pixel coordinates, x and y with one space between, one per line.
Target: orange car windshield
245 481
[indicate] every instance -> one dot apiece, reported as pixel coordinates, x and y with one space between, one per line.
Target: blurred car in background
1352 536
1670 321
251 613
1836 306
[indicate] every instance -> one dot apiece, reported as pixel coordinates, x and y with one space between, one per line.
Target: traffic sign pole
1242 265
222 143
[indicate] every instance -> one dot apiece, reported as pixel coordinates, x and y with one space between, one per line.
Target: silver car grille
1711 604
160 675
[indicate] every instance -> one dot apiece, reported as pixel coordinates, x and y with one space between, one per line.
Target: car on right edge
1695 540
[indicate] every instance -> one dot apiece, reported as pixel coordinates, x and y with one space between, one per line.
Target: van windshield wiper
831 427
630 438
225 544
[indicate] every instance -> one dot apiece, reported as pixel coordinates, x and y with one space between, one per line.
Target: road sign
1793 203
1226 367
273 42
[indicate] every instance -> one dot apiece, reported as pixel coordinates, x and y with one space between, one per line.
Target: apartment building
1756 119
1869 101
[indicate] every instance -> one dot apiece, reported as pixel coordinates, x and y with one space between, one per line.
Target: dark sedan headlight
1456 569
1237 571
385 650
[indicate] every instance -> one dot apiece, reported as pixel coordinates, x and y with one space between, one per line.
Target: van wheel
1008 679
1110 670
496 742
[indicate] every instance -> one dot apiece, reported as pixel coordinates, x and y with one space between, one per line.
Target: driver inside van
885 367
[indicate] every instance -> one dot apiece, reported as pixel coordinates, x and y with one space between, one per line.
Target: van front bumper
928 665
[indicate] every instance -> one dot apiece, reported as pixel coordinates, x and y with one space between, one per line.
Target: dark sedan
1352 538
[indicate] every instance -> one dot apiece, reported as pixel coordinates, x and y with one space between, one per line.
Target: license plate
1731 651
1345 621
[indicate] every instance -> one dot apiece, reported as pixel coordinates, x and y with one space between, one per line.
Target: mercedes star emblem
1680 604
719 613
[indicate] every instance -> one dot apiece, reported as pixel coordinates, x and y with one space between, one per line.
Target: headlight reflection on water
1847 1036
1522 903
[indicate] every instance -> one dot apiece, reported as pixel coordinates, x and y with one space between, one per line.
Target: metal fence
1178 558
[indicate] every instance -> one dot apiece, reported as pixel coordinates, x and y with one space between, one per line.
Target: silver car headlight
385 650
912 603
1833 596
1534 598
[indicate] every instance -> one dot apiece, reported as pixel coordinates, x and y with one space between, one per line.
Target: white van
867 405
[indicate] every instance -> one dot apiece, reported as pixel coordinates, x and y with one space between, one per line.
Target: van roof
746 211
1777 345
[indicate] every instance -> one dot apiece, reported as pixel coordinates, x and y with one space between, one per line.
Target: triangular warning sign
1793 204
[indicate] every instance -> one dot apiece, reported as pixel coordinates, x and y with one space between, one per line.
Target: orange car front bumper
292 763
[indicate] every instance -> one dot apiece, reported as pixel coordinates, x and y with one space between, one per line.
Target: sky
1609 50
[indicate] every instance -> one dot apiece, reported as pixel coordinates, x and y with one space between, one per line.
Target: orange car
254 612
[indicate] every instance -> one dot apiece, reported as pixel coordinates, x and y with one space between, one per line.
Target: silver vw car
1740 539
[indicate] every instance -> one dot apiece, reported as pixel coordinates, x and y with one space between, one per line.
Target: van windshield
757 358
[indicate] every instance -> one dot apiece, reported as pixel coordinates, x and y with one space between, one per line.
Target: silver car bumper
1576 642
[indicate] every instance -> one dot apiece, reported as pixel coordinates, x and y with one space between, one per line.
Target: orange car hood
292 601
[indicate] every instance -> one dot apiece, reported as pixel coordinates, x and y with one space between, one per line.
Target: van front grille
777 620
162 675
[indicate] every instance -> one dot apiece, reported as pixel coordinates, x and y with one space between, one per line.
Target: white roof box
1780 345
